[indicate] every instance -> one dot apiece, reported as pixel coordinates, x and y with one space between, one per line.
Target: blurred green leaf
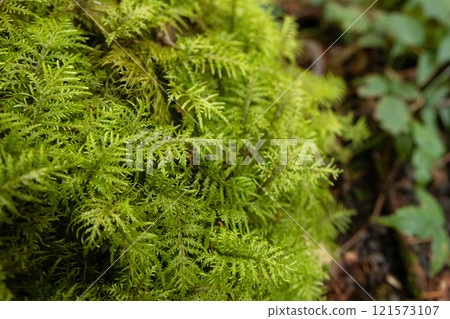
404 146
444 114
437 9
443 53
374 86
425 67
411 221
371 40
431 207
346 16
397 49
424 221
434 95
429 149
440 250
402 28
428 139
422 165
403 89
429 117
393 114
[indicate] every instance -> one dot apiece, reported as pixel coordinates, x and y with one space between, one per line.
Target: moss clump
70 205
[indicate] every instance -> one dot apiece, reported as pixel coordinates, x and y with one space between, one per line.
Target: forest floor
374 183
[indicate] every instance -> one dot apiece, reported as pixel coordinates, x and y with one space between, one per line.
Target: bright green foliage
426 221
71 98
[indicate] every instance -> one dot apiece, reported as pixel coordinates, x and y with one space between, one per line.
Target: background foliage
396 60
413 109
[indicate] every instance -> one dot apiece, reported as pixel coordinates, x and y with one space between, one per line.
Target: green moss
69 205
